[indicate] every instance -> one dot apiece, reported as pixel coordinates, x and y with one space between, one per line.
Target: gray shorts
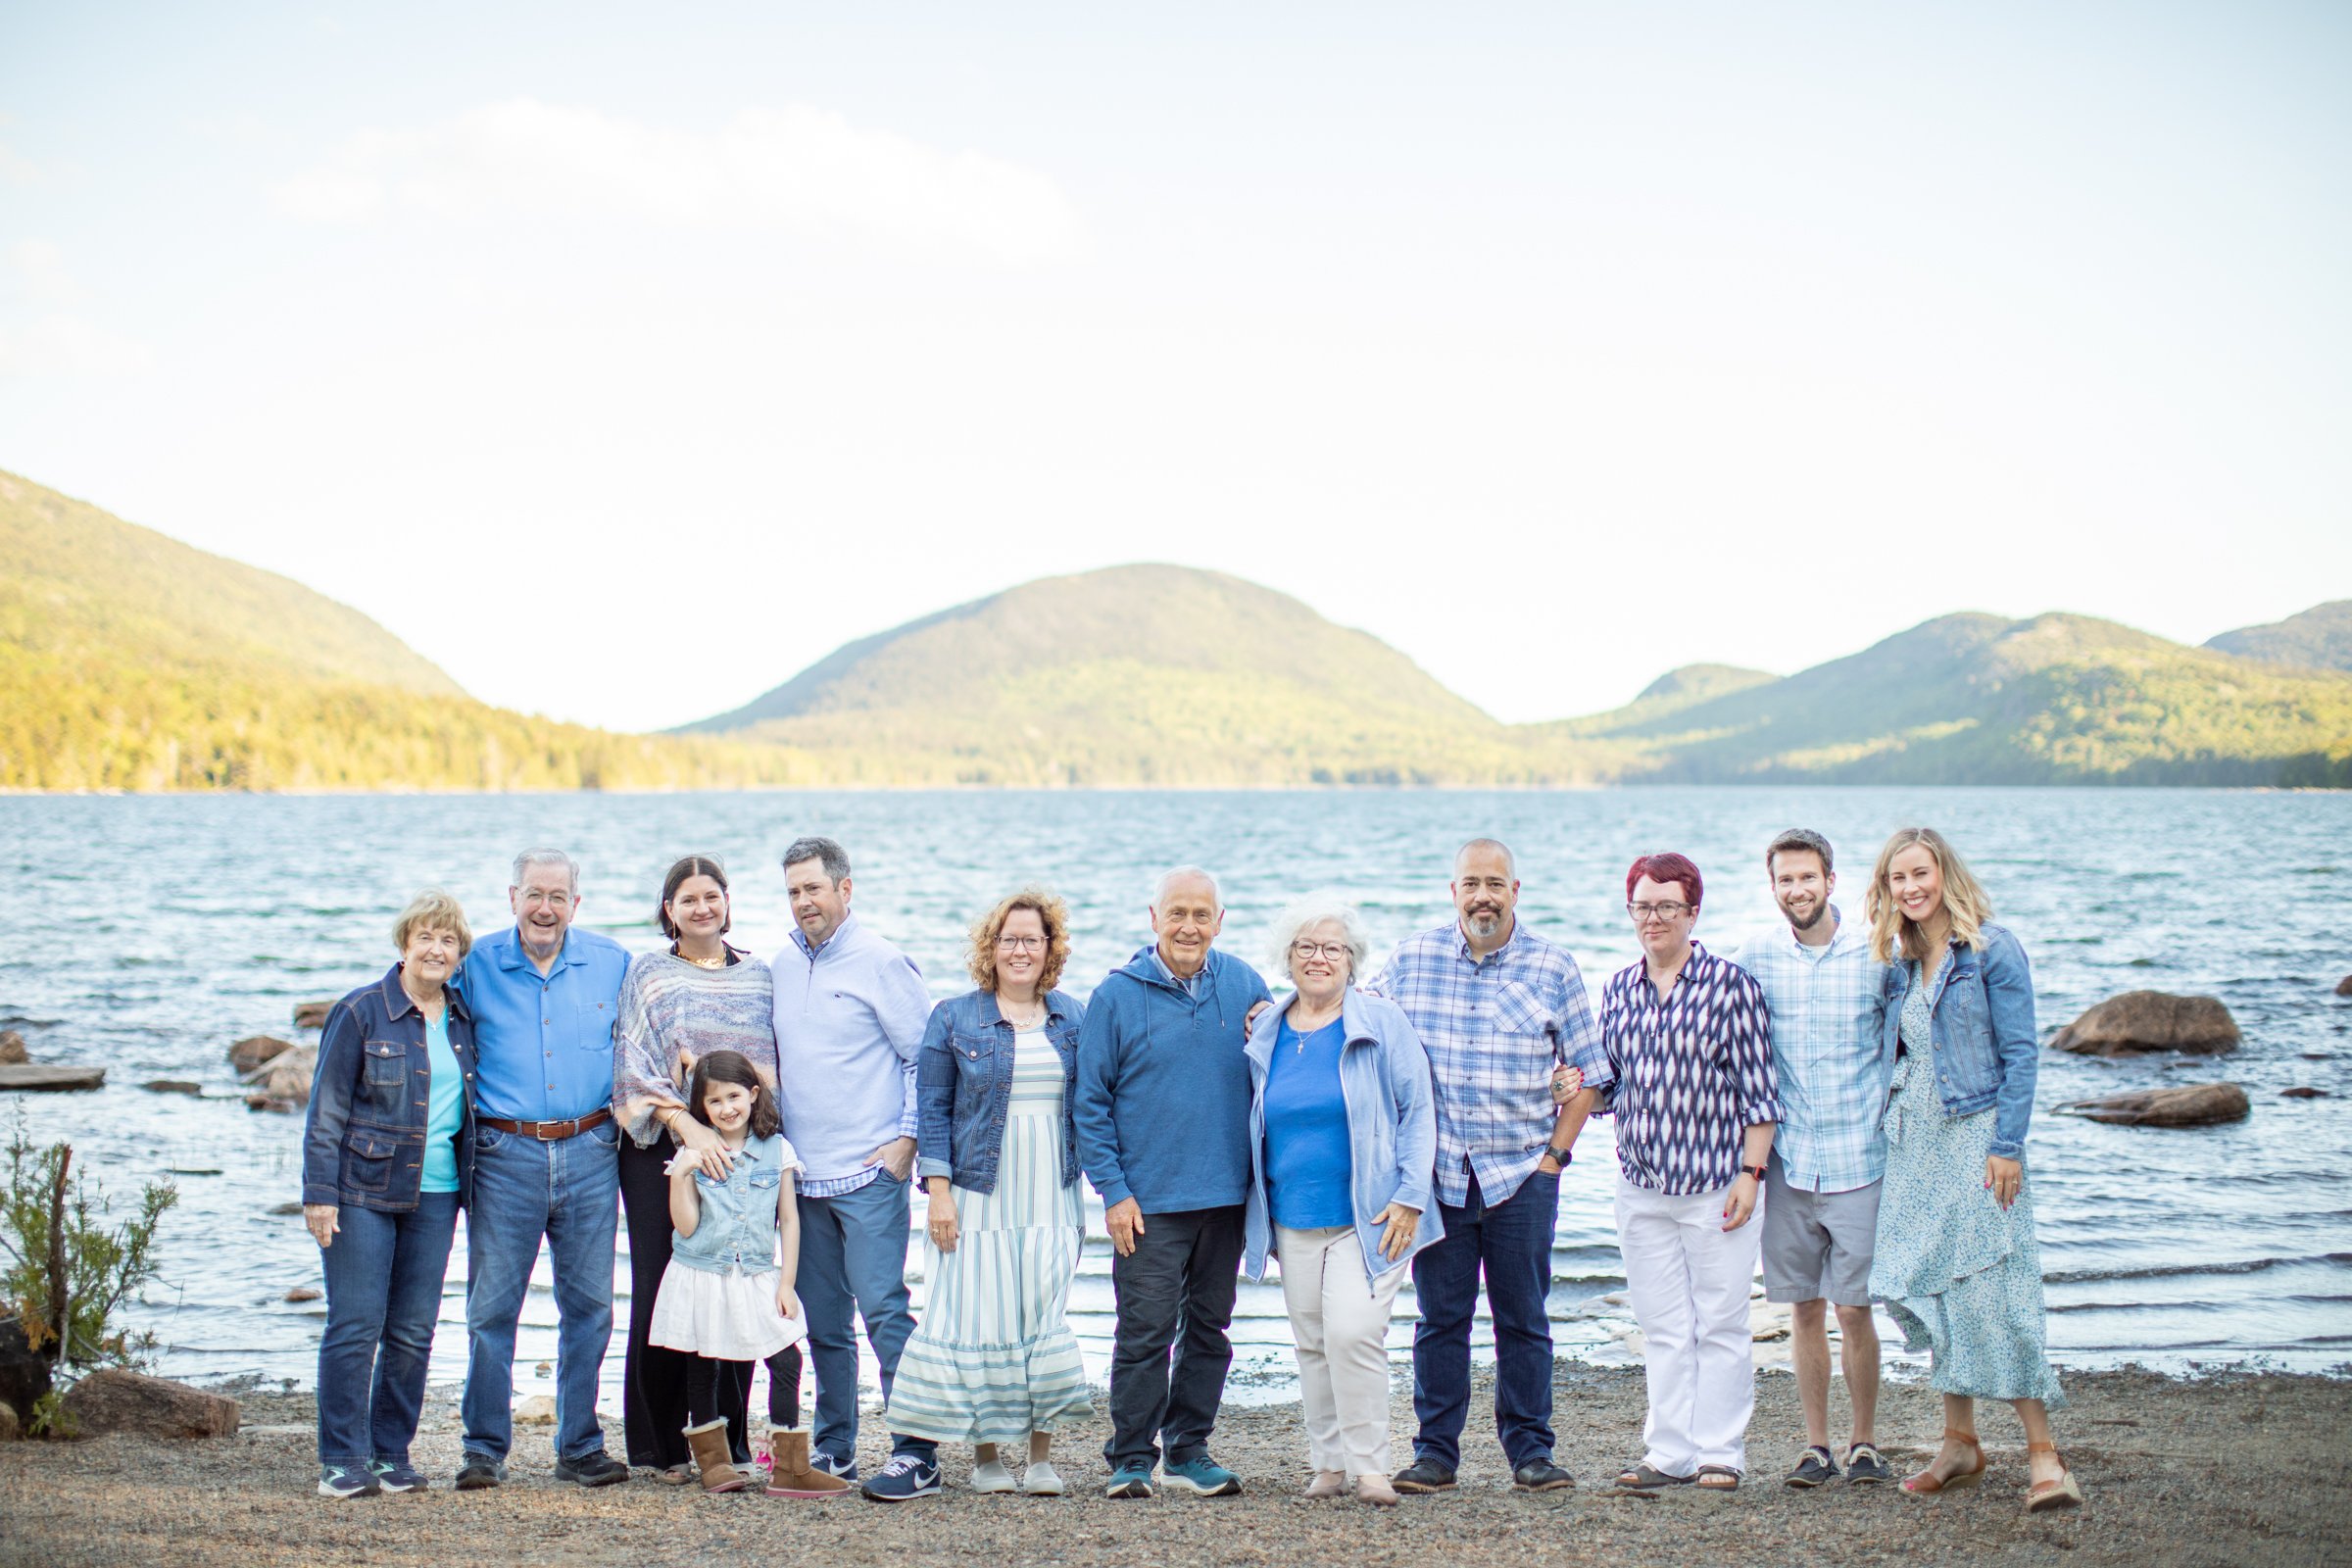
1817 1246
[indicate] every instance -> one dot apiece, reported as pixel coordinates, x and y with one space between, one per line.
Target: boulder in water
312 1015
2303 1092
12 1047
253 1050
37 1076
2344 987
2138 1022
2188 1106
283 1082
173 1085
117 1400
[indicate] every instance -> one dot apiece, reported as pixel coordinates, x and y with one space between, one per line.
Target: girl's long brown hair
734 1067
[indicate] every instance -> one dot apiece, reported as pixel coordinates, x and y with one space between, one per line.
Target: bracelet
1757 1171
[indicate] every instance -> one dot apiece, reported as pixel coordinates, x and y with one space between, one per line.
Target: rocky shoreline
2236 1468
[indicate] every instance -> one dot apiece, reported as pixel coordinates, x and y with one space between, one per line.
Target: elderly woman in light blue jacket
1342 1140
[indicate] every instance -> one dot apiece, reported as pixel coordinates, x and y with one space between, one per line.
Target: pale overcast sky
625 359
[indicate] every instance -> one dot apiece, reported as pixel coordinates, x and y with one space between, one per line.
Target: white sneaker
1042 1480
993 1476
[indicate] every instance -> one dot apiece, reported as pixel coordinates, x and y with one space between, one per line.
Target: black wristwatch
1560 1156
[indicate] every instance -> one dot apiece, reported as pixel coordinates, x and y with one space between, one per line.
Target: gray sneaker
478 1473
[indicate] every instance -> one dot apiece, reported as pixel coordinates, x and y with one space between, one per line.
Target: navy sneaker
1864 1463
1130 1481
833 1465
906 1478
1813 1467
397 1475
347 1480
1202 1477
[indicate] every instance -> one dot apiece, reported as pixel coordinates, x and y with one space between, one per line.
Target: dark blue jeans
1512 1242
383 1292
567 1192
853 1266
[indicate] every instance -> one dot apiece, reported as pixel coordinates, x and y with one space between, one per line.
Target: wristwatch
1757 1171
1560 1156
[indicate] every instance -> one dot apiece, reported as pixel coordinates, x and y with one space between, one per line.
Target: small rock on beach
2189 1105
535 1410
2138 1022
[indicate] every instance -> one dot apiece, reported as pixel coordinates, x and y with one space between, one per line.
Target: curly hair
1052 912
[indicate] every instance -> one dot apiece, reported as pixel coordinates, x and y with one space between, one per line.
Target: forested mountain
2319 638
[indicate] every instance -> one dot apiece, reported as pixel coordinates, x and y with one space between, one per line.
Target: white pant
1341 1321
1688 1279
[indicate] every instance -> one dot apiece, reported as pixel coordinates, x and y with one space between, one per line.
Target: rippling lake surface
147 933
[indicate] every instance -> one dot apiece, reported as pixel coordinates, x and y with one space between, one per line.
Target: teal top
447 1113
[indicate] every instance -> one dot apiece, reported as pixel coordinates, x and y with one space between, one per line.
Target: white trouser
1341 1321
1688 1279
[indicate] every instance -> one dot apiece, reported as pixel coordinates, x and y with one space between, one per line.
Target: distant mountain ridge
2319 638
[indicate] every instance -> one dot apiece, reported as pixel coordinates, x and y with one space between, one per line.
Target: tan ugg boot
711 1457
794 1477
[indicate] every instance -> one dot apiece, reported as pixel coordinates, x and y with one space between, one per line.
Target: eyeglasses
1668 911
1023 944
554 900
1334 951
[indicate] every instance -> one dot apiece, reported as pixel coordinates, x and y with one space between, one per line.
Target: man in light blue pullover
1162 1115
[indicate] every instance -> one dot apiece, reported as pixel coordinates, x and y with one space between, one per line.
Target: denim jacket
1987 1050
362 1139
1391 1127
737 1225
963 1087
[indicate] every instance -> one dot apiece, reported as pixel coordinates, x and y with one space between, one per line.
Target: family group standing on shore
1866 1091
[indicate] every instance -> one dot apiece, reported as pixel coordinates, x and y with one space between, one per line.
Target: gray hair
1510 862
530 857
1311 910
1187 873
1799 840
836 860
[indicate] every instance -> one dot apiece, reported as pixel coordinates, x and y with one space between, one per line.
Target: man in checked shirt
1497 1007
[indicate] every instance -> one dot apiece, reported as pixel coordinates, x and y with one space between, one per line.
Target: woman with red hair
1688 1038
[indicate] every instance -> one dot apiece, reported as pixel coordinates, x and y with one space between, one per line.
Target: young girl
727 1294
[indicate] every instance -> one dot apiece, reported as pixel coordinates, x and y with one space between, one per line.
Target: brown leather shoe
793 1476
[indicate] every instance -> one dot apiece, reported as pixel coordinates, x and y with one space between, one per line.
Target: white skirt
727 1317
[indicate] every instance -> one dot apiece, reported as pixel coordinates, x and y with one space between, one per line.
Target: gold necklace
719 962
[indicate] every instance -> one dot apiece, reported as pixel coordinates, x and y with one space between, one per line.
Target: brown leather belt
549 1132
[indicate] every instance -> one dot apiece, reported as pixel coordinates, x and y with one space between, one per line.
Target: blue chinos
853 1251
1510 1242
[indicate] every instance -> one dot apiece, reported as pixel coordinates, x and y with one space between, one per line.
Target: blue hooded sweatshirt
1162 1107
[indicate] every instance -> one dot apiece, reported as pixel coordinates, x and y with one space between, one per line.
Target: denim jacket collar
396 1000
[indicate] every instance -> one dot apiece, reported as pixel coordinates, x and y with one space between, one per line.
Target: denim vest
1988 1052
738 1224
372 1095
963 1087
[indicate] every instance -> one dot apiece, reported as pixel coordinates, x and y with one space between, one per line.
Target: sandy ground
2239 1469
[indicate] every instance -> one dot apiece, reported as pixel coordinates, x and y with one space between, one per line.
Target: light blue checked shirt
1493 1031
1827 1051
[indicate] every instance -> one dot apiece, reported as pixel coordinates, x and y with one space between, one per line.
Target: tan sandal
1926 1483
2063 1493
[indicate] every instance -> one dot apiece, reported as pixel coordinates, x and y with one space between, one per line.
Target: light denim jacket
1987 1050
1391 1126
963 1087
738 1224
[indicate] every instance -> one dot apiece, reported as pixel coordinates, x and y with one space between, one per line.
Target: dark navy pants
1510 1242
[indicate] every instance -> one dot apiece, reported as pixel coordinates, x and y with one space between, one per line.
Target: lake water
147 933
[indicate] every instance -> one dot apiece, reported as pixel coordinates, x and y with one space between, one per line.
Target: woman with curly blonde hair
1956 1261
993 1360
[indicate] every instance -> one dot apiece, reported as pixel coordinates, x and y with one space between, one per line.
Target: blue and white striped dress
993 1359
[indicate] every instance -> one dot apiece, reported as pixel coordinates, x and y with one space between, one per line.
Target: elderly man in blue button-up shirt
545 1164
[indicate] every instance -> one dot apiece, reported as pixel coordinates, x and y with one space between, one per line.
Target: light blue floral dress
1961 1274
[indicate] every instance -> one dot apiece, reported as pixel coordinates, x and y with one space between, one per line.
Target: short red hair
1664 868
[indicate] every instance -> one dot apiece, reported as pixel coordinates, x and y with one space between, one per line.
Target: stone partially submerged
2187 1106
42 1075
283 1082
253 1050
2139 1022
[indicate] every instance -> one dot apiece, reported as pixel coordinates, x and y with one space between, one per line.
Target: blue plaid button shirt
1827 1051
1493 1031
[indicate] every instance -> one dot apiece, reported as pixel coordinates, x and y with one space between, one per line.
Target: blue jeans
1512 1241
570 1193
383 1292
853 1259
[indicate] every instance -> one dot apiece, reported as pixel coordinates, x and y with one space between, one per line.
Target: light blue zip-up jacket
737 1226
1391 1127
1988 1052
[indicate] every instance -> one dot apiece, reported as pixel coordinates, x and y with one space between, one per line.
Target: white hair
1312 911
530 857
1188 873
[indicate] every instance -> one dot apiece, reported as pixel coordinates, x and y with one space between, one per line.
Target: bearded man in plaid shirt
1497 1008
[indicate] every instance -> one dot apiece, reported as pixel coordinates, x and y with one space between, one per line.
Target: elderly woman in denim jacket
1956 1261
387 1154
993 1360
1342 1141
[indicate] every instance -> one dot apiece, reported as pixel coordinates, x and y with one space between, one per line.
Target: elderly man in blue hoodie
1162 1115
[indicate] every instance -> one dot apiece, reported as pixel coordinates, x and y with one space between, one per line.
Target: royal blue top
447 1113
1307 1163
545 1040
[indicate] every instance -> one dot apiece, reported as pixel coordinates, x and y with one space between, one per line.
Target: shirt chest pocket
1523 1043
592 1026
387 1063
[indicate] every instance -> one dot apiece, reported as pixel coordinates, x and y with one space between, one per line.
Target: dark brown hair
1799 841
693 865
734 1067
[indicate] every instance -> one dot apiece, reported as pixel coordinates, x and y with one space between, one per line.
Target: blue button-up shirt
1828 1008
1493 1031
545 1040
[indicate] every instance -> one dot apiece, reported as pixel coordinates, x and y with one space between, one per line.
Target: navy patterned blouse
1692 1074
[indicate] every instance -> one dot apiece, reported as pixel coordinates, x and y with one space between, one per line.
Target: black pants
707 1381
1176 1289
653 1378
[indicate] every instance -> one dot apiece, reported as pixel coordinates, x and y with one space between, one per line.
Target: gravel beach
2249 1468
